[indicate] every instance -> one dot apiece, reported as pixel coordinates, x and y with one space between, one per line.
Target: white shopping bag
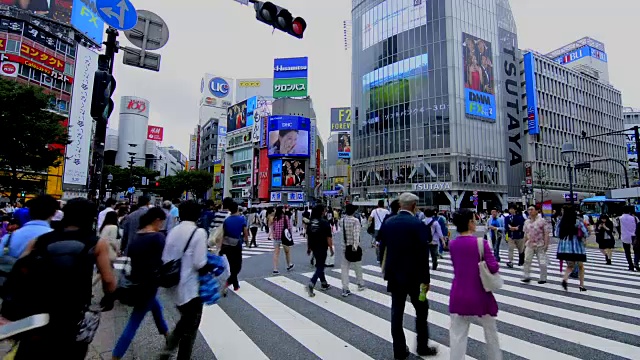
227 271
331 259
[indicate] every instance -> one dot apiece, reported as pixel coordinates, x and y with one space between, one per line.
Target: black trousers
254 232
184 335
433 249
398 302
234 255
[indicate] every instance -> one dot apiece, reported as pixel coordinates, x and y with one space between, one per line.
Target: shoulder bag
351 253
286 238
490 282
229 240
170 271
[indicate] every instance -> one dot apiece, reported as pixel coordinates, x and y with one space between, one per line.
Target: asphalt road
271 317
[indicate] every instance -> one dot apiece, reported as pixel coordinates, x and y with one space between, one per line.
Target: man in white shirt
377 216
186 296
628 224
111 206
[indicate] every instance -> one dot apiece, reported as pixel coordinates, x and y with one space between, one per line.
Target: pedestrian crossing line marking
594 274
245 256
594 258
508 343
354 315
232 343
314 337
557 276
557 312
559 332
549 296
517 276
251 252
259 249
617 267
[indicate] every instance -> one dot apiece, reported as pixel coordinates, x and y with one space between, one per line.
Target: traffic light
157 184
23 194
280 18
104 85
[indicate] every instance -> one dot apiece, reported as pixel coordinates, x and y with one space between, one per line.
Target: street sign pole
105 63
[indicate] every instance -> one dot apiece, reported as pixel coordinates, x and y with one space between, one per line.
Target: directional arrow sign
119 14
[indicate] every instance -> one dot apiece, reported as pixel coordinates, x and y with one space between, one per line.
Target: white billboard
216 91
390 18
193 148
260 88
76 165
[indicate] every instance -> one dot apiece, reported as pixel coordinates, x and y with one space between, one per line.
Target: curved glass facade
425 116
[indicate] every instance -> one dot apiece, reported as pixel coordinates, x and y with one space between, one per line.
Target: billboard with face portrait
344 146
288 136
479 90
293 173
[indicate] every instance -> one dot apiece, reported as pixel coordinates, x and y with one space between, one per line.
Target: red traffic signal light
157 184
298 26
280 18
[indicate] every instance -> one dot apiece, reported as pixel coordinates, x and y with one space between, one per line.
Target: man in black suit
404 243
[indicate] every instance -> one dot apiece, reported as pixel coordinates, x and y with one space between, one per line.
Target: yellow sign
249 83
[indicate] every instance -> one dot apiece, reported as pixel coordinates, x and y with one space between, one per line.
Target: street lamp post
569 156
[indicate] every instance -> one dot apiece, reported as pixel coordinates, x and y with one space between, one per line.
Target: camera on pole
280 18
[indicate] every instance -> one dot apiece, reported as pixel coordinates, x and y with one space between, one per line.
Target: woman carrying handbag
475 272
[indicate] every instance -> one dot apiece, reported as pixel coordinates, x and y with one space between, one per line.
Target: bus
597 205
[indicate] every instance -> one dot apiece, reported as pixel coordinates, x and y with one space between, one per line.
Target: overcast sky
222 37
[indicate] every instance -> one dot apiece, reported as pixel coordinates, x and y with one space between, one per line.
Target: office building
41 50
431 111
572 97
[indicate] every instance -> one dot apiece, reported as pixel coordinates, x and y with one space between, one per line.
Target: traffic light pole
105 63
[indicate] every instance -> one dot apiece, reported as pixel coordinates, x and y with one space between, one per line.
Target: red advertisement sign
34 65
155 133
42 57
138 105
318 165
263 175
3 44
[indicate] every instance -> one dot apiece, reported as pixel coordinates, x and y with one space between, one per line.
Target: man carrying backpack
431 220
54 276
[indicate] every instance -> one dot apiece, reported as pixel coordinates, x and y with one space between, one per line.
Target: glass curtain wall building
431 114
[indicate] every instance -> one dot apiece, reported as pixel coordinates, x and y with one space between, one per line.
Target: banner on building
290 77
344 146
479 90
341 119
155 133
193 147
263 175
76 165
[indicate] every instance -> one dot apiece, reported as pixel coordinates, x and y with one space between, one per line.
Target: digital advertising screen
393 84
293 172
288 136
252 104
82 14
276 173
390 18
479 90
237 116
344 146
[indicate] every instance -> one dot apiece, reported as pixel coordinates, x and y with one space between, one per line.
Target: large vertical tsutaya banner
511 109
76 165
479 98
532 96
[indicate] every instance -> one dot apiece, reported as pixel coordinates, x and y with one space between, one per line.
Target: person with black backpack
54 276
435 234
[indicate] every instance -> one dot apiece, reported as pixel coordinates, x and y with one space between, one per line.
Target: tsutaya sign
432 186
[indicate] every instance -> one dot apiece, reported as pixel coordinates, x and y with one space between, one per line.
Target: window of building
68 69
13 46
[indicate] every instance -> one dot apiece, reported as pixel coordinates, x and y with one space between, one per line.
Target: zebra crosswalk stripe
354 315
507 343
231 342
314 337
556 331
